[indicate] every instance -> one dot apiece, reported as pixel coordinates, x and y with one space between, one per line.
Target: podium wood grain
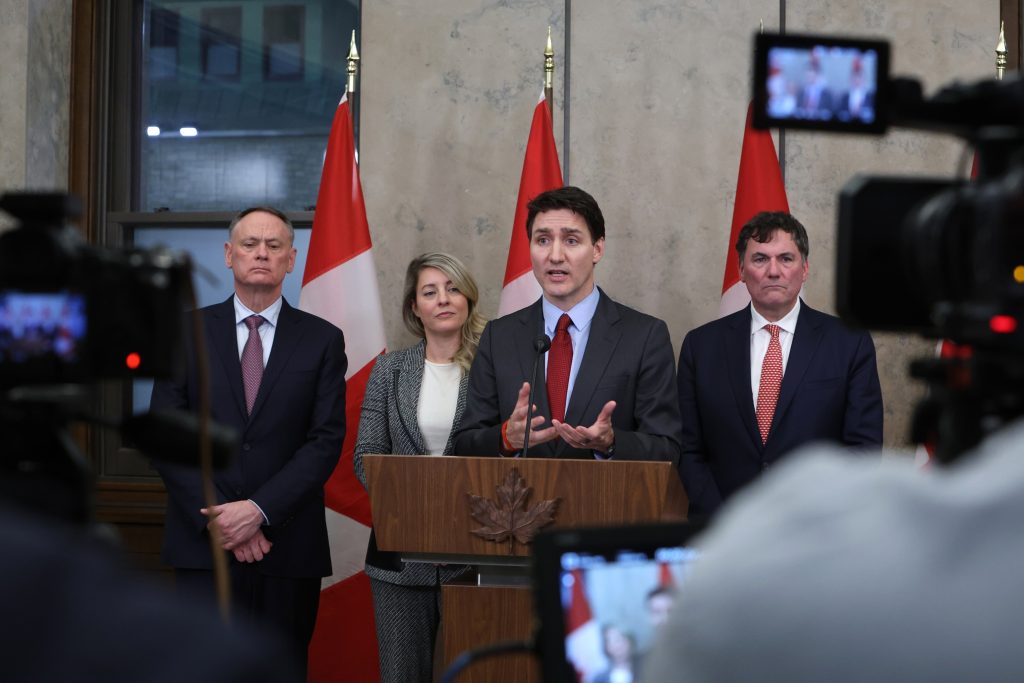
479 615
420 505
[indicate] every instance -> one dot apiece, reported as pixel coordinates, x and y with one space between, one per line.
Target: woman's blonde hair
463 280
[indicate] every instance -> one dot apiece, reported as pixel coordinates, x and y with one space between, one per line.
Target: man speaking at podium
607 390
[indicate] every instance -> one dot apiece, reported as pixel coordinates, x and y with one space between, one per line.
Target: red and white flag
759 188
583 644
541 173
340 286
665 578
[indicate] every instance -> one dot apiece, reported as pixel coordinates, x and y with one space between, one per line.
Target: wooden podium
423 508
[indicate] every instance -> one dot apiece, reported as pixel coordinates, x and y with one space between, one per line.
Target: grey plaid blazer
388 424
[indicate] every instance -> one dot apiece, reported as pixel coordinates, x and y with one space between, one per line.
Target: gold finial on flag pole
1001 53
353 64
549 74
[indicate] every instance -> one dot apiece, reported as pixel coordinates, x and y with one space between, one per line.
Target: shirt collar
269 314
582 313
787 322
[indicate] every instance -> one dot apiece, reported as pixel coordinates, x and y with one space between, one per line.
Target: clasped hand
597 437
239 526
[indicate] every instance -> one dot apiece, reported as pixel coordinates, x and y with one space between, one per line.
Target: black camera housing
74 313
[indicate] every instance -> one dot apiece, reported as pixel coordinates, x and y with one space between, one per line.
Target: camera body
75 313
940 257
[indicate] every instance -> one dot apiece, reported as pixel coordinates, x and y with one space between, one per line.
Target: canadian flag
665 578
541 173
340 286
583 644
759 188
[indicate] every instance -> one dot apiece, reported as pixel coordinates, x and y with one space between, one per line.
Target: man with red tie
605 386
756 384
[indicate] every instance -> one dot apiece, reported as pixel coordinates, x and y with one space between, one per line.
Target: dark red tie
771 382
252 361
559 363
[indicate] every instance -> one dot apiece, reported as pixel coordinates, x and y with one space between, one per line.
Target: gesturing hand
516 428
598 437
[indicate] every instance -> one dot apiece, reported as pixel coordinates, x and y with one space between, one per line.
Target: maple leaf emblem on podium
508 518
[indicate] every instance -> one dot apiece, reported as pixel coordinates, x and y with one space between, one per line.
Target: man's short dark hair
572 198
263 209
762 227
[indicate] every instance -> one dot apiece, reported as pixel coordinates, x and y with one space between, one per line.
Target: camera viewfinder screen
37 326
613 607
818 82
822 83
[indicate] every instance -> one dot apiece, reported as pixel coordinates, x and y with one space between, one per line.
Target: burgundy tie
771 382
559 363
252 361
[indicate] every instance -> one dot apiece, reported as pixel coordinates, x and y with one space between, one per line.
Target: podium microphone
540 345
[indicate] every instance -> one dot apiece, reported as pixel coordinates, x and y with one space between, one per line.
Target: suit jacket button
246 447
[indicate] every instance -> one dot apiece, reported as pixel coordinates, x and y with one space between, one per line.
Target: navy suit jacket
628 359
289 445
830 392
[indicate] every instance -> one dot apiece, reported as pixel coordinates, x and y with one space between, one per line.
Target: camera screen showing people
628 597
604 594
813 82
41 326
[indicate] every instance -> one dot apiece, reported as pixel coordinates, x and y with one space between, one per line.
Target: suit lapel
531 324
408 380
286 339
224 341
460 408
604 337
805 343
737 355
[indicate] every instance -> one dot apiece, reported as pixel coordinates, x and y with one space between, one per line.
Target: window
162 61
247 119
208 107
221 43
283 47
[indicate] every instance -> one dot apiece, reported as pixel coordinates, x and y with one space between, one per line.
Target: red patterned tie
559 363
771 381
252 361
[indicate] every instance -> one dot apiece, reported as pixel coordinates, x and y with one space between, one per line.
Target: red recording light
1002 324
133 361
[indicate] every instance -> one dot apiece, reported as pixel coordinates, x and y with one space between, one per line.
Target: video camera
941 257
74 313
71 315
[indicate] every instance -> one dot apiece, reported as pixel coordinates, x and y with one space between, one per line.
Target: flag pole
549 75
1001 53
353 74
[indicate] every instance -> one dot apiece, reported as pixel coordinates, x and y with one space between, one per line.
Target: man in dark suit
608 390
756 384
277 376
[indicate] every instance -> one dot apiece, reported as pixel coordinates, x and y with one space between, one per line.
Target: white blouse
439 393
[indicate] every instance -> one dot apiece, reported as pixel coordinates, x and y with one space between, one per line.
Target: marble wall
13 51
35 49
657 98
448 92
